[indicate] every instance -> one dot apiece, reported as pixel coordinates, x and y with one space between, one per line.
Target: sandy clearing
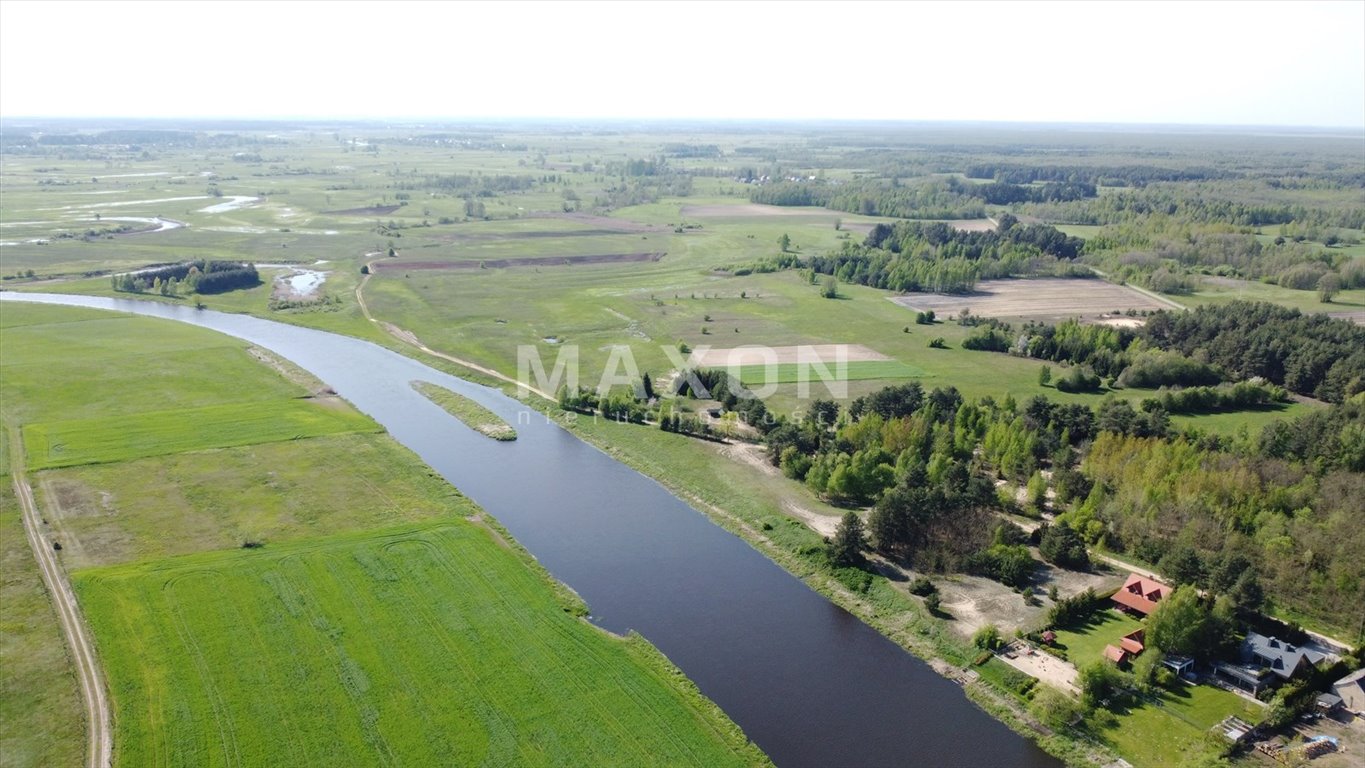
1123 322
752 210
1049 669
759 355
1039 297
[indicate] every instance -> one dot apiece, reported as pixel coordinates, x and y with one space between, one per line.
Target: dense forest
205 277
1312 355
933 256
1283 508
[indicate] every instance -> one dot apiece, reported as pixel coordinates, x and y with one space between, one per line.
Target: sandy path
100 747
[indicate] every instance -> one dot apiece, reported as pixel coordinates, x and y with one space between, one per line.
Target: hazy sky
1265 63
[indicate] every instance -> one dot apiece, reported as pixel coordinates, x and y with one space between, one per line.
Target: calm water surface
807 681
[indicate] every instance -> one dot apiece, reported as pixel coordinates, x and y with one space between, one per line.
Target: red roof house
1115 654
1132 642
1140 595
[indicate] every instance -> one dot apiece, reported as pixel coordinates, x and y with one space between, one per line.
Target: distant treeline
939 198
1109 176
201 276
160 137
462 184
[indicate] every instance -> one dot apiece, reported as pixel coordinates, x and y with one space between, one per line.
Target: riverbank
737 498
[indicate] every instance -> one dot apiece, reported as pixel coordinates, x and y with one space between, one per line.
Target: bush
938 343
1079 379
988 638
922 587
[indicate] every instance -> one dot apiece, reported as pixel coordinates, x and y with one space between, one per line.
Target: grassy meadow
315 598
429 646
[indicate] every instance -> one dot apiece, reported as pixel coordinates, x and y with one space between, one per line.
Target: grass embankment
474 416
41 717
375 616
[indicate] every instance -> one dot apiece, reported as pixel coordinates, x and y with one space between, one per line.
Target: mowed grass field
119 438
376 617
427 646
1166 731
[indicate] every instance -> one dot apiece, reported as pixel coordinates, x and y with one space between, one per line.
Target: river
810 683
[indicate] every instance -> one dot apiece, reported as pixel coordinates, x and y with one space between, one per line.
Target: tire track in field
222 715
100 746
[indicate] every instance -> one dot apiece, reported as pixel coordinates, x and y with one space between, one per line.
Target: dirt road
407 337
99 750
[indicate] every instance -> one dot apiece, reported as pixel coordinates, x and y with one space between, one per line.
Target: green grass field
470 413
1085 644
134 436
427 646
40 707
1157 735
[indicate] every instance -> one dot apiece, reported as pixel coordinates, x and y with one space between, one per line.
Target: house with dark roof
1140 595
1282 658
1351 689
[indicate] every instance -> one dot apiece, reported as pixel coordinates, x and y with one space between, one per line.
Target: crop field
427 646
119 438
1056 299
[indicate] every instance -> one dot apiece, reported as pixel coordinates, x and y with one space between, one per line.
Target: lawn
421 646
1085 644
1165 731
133 436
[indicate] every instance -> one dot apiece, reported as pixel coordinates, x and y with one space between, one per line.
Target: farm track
100 747
407 337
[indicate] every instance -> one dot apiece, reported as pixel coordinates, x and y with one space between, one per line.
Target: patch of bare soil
374 210
545 261
616 226
1356 316
1057 298
821 353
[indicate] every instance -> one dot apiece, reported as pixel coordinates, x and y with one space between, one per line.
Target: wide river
810 683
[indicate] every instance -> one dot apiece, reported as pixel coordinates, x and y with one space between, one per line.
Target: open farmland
426 646
1037 298
325 600
153 433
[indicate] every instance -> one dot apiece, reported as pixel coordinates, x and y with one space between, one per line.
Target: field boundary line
100 746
